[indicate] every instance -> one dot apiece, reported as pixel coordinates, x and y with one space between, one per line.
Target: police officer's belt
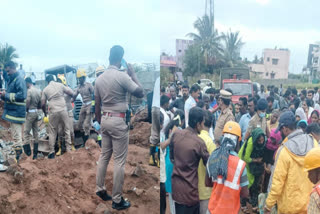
114 114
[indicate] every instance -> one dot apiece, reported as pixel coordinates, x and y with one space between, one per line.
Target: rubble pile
67 184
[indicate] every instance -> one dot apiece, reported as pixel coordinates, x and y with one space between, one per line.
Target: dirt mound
140 134
67 184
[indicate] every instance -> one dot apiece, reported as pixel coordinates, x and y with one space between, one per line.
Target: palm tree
207 37
233 45
7 53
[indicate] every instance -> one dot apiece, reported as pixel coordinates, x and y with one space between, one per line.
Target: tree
233 45
207 37
7 53
194 61
256 60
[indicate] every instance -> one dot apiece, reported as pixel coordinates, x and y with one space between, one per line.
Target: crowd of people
23 103
260 154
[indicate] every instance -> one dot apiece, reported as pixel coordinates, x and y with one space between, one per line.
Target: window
272 75
268 59
179 51
275 61
267 74
315 60
239 89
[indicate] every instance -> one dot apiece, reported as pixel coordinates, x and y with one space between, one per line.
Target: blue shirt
244 123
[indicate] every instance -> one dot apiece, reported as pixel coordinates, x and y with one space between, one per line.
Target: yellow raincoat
290 186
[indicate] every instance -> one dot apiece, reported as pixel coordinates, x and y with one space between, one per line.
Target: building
181 46
275 64
313 63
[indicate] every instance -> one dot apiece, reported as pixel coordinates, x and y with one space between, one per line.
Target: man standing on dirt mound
86 90
111 94
15 105
58 115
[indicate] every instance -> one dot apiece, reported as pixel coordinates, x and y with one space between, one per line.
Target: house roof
168 63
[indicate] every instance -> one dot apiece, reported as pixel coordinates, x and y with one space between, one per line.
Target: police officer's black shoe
104 195
27 149
35 151
123 204
51 155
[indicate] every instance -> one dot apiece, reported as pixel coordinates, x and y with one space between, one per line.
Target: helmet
81 72
62 78
100 70
312 159
232 127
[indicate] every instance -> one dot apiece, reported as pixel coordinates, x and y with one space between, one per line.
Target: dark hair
294 91
309 102
287 94
276 90
304 92
208 119
161 118
173 122
292 126
225 101
302 125
315 112
296 103
164 99
270 99
185 86
10 64
313 128
200 104
244 101
28 80
49 78
196 115
210 91
311 91
254 100
194 88
199 81
316 89
271 93
116 54
163 89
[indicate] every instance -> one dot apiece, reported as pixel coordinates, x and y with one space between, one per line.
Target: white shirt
156 94
316 98
166 119
190 103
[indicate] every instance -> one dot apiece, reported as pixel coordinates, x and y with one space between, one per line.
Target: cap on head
225 94
62 79
232 127
286 119
312 159
81 72
262 104
100 70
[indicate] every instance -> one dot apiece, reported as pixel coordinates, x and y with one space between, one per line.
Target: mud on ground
67 184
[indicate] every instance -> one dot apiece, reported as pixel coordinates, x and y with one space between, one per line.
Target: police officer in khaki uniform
58 115
32 106
68 99
225 116
259 119
86 90
110 95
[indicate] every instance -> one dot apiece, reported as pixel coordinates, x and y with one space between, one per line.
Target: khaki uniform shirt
54 93
68 98
86 90
257 122
34 98
112 87
225 116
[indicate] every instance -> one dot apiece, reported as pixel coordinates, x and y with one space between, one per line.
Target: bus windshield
239 89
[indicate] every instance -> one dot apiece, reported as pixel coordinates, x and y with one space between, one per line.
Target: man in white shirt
191 101
316 95
22 72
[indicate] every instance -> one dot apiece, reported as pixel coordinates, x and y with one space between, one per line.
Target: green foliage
166 76
232 47
7 53
194 61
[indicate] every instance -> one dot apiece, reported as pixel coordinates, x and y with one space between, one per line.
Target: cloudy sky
262 24
51 33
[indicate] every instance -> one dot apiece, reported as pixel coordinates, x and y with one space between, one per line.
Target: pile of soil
66 184
140 135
